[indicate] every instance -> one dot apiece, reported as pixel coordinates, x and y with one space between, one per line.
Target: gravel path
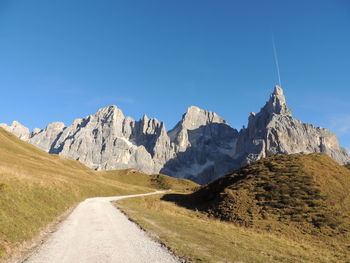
97 232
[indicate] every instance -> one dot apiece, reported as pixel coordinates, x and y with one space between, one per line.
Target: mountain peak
196 117
201 146
109 108
17 128
277 103
111 111
278 91
194 109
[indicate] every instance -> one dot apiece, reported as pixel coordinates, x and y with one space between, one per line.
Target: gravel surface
97 232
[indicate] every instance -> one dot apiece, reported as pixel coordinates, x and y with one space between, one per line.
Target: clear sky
61 60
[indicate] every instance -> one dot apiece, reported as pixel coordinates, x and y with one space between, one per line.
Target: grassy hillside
287 208
309 192
36 187
158 181
199 238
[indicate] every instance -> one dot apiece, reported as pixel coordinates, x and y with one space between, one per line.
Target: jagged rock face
274 131
107 140
17 129
204 145
45 139
201 147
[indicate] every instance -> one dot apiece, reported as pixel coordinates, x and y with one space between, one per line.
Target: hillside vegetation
309 192
158 181
36 187
287 208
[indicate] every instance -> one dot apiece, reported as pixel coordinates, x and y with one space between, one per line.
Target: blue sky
61 60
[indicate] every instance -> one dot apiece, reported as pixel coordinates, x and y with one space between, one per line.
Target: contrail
276 60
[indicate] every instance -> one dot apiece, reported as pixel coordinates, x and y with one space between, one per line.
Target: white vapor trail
276 61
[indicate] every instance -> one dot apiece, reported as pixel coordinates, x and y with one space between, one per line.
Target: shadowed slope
307 192
287 208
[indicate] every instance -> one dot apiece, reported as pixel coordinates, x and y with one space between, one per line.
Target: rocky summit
274 131
201 147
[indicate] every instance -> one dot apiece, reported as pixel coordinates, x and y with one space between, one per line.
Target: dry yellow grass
36 187
290 193
198 238
287 208
159 181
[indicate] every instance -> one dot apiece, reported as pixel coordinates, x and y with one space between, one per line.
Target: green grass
36 188
199 238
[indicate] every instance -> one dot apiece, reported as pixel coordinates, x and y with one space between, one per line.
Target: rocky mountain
204 145
201 147
274 131
17 129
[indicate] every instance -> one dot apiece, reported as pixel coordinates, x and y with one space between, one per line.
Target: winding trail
97 232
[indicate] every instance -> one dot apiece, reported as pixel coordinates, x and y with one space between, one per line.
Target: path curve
97 232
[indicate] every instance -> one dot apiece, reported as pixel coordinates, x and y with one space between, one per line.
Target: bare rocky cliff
274 131
202 146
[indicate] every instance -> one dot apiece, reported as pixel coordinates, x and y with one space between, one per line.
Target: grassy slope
36 187
309 192
159 181
199 238
284 234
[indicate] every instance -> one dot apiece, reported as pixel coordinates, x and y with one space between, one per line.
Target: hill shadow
183 200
